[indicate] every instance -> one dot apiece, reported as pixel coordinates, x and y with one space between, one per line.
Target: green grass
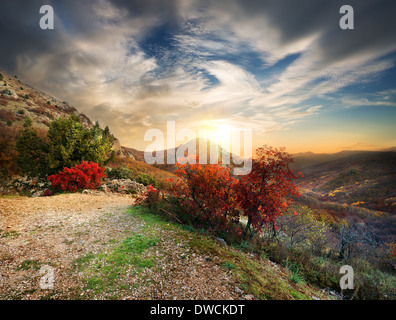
229 265
107 272
8 234
29 264
254 275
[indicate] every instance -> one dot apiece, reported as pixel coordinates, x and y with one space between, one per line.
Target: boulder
124 186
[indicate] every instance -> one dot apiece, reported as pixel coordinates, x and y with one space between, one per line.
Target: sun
223 135
218 133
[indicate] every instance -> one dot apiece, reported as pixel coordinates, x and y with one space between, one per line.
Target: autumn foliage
82 176
206 194
150 198
214 199
268 190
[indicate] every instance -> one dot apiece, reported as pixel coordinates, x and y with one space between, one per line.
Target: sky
282 68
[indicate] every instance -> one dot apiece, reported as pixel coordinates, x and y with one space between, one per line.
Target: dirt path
90 230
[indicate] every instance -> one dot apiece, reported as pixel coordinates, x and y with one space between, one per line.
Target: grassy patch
109 272
229 265
29 264
9 234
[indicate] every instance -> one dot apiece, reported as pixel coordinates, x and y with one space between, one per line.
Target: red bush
206 194
151 198
48 193
83 176
7 115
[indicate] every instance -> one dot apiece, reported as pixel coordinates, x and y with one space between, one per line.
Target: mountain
214 154
19 101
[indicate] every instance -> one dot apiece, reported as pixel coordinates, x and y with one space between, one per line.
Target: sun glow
220 134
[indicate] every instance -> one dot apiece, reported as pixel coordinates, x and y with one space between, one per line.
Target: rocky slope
19 100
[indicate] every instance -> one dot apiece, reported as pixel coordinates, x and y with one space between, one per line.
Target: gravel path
56 231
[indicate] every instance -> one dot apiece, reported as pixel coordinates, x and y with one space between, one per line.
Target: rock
222 241
124 186
237 290
38 193
130 155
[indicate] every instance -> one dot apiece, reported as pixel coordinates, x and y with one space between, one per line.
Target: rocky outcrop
120 151
123 186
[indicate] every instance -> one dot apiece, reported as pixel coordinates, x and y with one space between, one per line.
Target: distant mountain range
362 178
304 160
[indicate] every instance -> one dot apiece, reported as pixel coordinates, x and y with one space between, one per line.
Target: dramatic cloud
266 65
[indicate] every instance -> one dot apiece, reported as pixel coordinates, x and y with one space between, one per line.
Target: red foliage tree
83 176
267 190
205 192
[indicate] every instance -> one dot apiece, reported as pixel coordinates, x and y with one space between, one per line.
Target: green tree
70 142
32 151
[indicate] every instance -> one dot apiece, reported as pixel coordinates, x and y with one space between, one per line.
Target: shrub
7 115
8 152
83 176
205 194
70 142
151 198
146 180
48 193
32 151
66 144
120 173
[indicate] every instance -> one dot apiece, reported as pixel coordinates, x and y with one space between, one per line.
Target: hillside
19 100
351 183
351 177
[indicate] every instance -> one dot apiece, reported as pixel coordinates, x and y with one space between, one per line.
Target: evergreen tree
70 143
33 151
